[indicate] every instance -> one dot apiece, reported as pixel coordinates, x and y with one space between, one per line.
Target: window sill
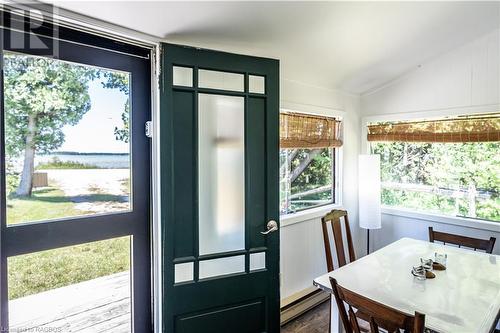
307 214
453 220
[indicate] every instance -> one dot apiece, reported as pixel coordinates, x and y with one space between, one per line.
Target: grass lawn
37 272
44 204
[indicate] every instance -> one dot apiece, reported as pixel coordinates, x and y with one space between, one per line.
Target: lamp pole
367 241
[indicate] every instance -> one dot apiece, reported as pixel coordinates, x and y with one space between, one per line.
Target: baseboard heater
301 304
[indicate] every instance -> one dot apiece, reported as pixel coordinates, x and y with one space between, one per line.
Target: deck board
97 305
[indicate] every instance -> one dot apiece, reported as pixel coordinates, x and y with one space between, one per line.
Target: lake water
106 161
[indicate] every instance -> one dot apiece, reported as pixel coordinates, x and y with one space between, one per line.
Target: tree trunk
290 157
26 183
304 163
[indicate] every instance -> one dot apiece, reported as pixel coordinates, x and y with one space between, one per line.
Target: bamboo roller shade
298 130
467 129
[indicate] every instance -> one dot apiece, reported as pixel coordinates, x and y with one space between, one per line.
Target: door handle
271 227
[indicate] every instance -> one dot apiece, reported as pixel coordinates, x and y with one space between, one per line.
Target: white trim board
439 218
416 115
311 109
429 114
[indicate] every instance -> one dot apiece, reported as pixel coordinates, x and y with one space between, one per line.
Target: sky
95 131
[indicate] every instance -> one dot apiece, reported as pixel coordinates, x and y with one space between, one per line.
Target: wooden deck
99 305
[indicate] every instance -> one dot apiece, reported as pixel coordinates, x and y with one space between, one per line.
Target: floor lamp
369 194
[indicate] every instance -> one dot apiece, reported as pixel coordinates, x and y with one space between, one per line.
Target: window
444 172
307 161
51 173
306 178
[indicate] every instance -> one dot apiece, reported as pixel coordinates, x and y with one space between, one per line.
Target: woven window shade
466 129
298 130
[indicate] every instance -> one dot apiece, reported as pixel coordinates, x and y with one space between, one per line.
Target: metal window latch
148 129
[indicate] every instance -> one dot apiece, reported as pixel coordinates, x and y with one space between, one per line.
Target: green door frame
249 300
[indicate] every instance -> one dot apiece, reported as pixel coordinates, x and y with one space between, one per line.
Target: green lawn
37 272
45 204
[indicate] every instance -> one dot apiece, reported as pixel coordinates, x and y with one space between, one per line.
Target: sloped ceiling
349 46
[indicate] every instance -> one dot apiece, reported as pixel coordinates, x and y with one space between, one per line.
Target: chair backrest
475 243
378 314
333 219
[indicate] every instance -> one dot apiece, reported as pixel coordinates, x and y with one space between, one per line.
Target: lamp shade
369 192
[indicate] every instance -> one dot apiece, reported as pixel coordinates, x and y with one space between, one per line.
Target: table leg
335 322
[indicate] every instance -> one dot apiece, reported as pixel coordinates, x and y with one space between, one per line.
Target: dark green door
219 191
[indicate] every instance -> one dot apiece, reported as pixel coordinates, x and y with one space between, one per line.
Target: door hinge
148 129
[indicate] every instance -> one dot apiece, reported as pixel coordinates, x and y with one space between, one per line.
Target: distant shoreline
101 160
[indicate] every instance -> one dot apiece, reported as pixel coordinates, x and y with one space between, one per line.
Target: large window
306 178
307 160
451 178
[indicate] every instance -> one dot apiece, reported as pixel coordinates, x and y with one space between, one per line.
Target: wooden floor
103 305
98 305
313 321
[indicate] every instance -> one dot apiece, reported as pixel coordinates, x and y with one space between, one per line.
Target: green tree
41 97
310 168
304 170
117 80
460 167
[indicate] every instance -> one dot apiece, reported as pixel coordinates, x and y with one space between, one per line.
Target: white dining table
464 298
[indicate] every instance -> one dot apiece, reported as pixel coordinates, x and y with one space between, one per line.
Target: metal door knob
271 226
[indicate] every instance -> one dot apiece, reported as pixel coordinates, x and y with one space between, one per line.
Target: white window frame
315 212
418 115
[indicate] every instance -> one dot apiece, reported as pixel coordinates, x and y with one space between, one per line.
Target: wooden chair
475 243
333 218
378 314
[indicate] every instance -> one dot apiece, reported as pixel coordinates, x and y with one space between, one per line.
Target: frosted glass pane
220 80
183 76
184 272
256 84
257 261
222 266
221 175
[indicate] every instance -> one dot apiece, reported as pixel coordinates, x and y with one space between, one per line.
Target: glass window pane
184 272
183 76
256 84
306 178
221 180
457 179
78 288
222 266
257 261
66 139
221 80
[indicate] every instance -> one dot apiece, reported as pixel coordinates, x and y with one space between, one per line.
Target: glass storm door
219 172
75 184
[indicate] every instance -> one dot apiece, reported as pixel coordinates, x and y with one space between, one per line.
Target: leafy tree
308 170
448 166
41 97
116 80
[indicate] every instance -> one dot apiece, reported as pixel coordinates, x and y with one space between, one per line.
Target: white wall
302 249
396 226
465 80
